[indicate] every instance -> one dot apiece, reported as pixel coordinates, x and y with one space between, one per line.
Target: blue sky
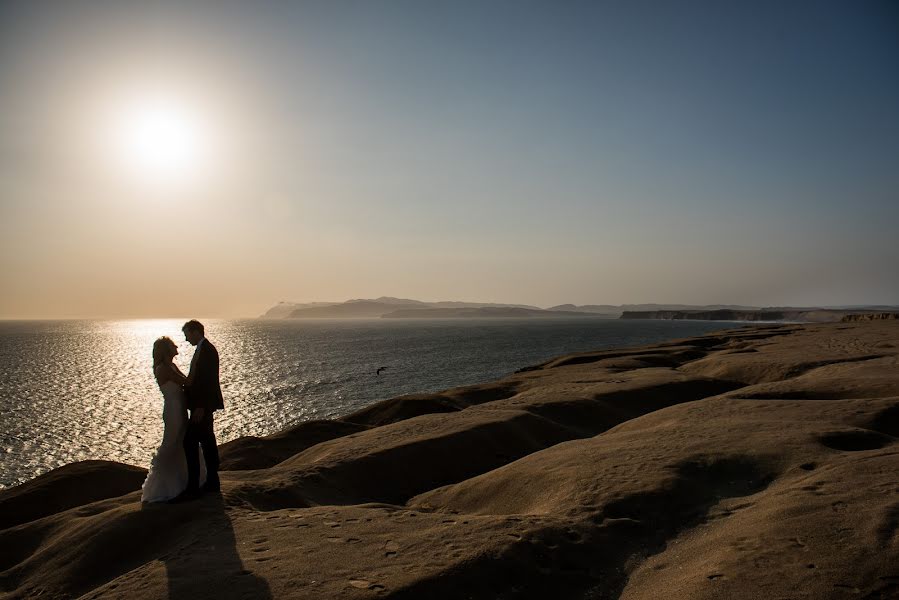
536 152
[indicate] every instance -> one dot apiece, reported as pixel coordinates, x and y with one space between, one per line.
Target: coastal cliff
402 308
486 312
374 308
808 315
870 317
749 463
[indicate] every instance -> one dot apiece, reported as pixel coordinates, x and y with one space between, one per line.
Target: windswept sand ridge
74 484
755 463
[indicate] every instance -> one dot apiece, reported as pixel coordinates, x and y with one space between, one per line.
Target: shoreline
622 473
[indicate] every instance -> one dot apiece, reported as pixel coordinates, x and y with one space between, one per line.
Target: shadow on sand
209 565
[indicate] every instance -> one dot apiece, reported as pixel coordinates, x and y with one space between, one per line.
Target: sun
159 139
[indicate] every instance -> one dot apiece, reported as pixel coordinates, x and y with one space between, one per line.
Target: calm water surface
75 390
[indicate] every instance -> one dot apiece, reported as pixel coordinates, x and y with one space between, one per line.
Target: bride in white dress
168 470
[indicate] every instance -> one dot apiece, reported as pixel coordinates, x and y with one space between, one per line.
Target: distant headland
402 308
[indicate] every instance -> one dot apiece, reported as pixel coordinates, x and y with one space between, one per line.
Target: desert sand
760 463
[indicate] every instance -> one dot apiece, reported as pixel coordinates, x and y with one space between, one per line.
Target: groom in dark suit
204 397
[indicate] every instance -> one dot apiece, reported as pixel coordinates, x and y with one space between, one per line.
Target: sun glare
159 139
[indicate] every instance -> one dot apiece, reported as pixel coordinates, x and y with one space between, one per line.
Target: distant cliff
808 315
614 311
354 309
404 308
282 310
870 317
483 312
377 307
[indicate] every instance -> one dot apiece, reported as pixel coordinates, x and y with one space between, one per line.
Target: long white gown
168 470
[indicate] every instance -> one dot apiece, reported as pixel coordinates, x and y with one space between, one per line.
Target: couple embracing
176 472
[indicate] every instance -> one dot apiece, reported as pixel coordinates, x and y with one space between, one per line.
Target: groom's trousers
202 434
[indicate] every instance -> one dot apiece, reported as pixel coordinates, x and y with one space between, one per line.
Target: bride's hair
162 351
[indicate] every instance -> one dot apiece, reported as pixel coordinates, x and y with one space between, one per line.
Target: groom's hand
196 415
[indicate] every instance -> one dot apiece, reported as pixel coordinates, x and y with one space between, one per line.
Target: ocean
77 390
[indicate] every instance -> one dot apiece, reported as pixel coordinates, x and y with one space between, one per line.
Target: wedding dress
168 470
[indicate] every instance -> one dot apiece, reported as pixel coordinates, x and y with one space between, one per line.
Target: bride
168 470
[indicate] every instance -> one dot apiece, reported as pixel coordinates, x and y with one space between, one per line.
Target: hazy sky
506 151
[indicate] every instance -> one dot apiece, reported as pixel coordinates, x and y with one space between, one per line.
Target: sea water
76 390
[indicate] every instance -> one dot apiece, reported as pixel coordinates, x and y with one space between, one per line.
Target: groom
204 397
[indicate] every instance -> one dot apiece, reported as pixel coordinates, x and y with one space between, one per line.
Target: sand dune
75 484
755 463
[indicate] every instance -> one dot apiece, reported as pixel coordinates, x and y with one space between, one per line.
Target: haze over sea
76 390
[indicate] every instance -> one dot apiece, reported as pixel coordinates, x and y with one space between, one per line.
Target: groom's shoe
185 496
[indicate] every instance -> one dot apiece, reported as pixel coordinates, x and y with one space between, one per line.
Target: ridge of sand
753 463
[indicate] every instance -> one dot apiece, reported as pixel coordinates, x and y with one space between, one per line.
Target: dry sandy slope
755 463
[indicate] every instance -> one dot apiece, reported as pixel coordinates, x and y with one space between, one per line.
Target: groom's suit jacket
204 390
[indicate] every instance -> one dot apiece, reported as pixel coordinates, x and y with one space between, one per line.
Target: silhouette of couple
176 472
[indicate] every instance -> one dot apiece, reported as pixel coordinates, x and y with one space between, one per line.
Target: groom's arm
199 382
194 386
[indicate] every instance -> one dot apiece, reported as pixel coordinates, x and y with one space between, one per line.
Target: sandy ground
754 463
